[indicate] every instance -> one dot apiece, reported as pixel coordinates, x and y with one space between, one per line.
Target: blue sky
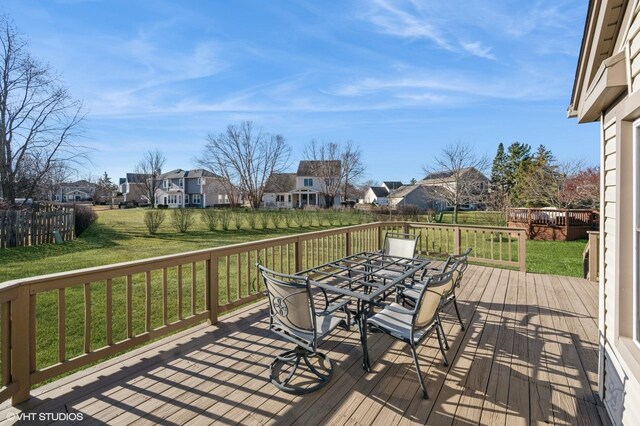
400 78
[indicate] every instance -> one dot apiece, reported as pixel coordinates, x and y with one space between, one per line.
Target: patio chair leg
420 379
293 358
444 336
444 355
455 305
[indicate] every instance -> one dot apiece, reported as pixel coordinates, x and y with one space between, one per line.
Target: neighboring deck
529 354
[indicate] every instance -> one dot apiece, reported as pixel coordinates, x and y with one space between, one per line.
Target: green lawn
555 257
120 236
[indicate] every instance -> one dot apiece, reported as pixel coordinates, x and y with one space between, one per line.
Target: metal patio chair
458 263
413 326
293 315
399 245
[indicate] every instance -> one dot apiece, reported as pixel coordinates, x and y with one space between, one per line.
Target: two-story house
436 190
133 188
80 190
314 183
191 188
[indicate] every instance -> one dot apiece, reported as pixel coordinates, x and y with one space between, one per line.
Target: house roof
179 173
310 167
379 191
280 182
136 177
408 189
603 23
392 184
444 175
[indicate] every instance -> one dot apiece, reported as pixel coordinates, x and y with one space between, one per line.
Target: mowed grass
555 257
121 236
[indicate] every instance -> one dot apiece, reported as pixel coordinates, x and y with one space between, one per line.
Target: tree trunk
455 214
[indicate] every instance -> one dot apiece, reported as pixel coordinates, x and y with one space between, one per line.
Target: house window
181 183
308 182
165 183
195 199
199 181
173 199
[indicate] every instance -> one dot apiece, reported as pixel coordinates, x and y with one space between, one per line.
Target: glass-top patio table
366 277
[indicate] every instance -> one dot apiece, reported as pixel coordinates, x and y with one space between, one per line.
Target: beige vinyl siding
634 48
609 215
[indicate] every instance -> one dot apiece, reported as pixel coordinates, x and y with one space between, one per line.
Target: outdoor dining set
392 291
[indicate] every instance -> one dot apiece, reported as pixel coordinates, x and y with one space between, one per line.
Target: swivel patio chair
413 326
293 316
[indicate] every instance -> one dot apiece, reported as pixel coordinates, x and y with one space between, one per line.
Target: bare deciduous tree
352 167
338 167
456 175
39 121
245 157
150 168
564 185
325 165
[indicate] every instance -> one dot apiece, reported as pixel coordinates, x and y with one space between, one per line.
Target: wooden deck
529 355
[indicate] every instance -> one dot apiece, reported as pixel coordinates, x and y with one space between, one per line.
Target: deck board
528 355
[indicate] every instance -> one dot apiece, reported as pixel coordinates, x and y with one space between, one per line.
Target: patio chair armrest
331 309
400 310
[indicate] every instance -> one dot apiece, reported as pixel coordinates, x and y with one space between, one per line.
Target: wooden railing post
456 240
594 255
522 251
380 236
20 344
212 286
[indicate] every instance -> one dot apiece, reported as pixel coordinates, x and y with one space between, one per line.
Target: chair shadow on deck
503 365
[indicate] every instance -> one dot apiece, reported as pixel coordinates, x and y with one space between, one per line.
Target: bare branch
39 121
245 157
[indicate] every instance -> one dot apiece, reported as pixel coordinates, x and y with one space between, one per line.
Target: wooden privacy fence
36 226
52 324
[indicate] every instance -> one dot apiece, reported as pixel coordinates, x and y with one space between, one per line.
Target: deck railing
53 324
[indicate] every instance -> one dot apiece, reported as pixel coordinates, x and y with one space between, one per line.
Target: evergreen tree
518 160
498 169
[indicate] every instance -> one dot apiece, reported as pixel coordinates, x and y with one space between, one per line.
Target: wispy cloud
392 19
477 49
410 20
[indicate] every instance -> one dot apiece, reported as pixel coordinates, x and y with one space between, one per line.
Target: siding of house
634 47
614 26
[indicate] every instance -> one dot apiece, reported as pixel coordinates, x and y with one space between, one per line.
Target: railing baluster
87 318
129 296
238 276
165 319
193 288
227 268
179 289
109 312
62 335
500 244
147 295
